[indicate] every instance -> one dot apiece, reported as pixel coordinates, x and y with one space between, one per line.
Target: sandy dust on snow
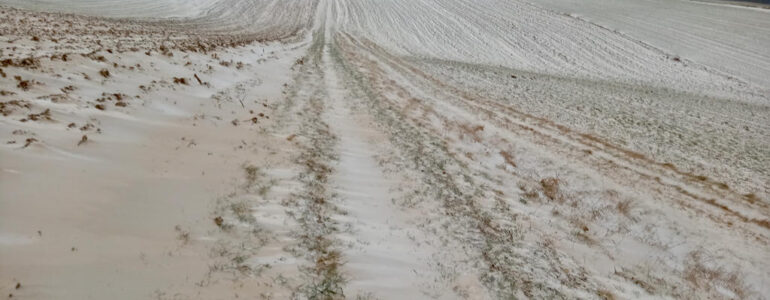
379 149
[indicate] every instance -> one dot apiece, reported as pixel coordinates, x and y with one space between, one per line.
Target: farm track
430 122
464 150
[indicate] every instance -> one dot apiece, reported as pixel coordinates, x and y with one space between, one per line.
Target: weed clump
180 80
29 142
508 157
7 108
45 115
24 85
83 140
550 187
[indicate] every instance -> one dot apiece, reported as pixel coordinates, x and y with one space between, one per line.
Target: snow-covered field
120 8
373 149
726 38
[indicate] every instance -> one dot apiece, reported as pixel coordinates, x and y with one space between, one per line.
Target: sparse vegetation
23 85
44 115
242 212
9 107
624 207
701 275
180 80
29 142
83 140
514 184
253 174
550 187
508 157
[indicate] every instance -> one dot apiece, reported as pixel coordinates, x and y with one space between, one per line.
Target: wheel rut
381 258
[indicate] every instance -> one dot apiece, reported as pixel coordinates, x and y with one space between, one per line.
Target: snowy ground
730 39
373 149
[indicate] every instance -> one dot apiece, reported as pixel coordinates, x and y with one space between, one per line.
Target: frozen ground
372 149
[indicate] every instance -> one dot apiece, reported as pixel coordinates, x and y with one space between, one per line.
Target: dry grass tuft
550 187
751 198
702 276
29 142
83 140
219 221
7 108
605 294
508 157
473 131
24 85
624 207
30 63
529 192
45 115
